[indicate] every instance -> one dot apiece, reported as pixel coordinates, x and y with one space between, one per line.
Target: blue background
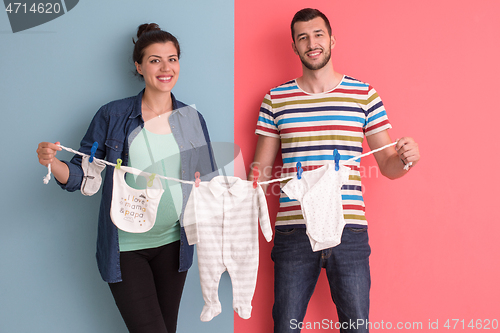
53 79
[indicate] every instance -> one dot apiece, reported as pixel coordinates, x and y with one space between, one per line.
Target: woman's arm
47 155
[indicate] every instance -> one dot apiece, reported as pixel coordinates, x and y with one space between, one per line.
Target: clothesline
342 162
46 179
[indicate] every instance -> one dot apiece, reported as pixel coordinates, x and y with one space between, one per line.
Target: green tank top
156 153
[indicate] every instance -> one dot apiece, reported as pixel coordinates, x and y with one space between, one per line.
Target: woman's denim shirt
114 126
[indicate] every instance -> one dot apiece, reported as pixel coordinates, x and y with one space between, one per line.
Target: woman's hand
47 155
47 152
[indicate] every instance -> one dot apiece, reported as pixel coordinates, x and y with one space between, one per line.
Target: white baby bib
134 210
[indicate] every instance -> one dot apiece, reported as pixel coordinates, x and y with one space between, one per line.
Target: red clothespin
255 172
197 181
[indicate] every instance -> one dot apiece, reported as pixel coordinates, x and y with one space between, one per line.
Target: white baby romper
221 219
321 202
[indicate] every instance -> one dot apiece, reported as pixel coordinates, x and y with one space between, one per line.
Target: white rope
369 153
46 179
82 154
406 167
275 180
177 180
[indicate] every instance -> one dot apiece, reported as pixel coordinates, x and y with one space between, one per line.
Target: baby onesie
221 219
321 202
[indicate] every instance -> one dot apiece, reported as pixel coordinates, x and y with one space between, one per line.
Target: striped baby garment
221 219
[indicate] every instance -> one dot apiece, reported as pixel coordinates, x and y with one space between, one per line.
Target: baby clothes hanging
134 210
318 192
221 218
91 175
304 193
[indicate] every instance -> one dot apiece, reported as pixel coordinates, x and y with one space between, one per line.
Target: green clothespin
151 179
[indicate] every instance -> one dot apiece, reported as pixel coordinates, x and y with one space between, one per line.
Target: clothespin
336 158
151 179
118 163
255 172
92 151
197 181
299 170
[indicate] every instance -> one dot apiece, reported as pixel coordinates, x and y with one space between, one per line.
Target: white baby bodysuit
321 201
221 219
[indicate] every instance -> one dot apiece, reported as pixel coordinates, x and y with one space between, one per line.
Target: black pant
150 292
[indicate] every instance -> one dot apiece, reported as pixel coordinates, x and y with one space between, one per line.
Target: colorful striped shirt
311 126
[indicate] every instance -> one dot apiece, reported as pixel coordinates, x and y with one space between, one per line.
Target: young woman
153 132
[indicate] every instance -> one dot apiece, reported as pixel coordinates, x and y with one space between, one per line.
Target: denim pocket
357 230
285 231
115 145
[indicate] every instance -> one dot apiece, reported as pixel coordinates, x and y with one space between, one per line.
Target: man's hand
392 161
408 151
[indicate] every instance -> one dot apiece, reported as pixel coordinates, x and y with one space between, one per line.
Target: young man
311 116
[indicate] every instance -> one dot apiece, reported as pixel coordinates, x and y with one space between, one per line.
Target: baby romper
221 219
321 202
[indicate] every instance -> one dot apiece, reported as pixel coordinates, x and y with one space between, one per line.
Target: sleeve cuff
264 133
74 179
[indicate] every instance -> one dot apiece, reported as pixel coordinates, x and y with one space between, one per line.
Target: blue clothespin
299 170
92 151
336 158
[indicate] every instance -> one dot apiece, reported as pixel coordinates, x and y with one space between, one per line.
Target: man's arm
265 154
392 160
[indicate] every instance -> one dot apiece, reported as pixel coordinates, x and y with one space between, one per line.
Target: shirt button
173 126
116 147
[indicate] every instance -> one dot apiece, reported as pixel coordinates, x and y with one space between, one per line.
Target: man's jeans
296 271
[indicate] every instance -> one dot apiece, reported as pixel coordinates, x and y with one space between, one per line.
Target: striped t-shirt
311 126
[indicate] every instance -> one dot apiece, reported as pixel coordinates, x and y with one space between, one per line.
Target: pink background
434 233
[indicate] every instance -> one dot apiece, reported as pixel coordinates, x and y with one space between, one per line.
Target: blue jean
296 271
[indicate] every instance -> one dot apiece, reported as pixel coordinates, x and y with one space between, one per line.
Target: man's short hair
308 14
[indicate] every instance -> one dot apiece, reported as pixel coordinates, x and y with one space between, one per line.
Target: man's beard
311 67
